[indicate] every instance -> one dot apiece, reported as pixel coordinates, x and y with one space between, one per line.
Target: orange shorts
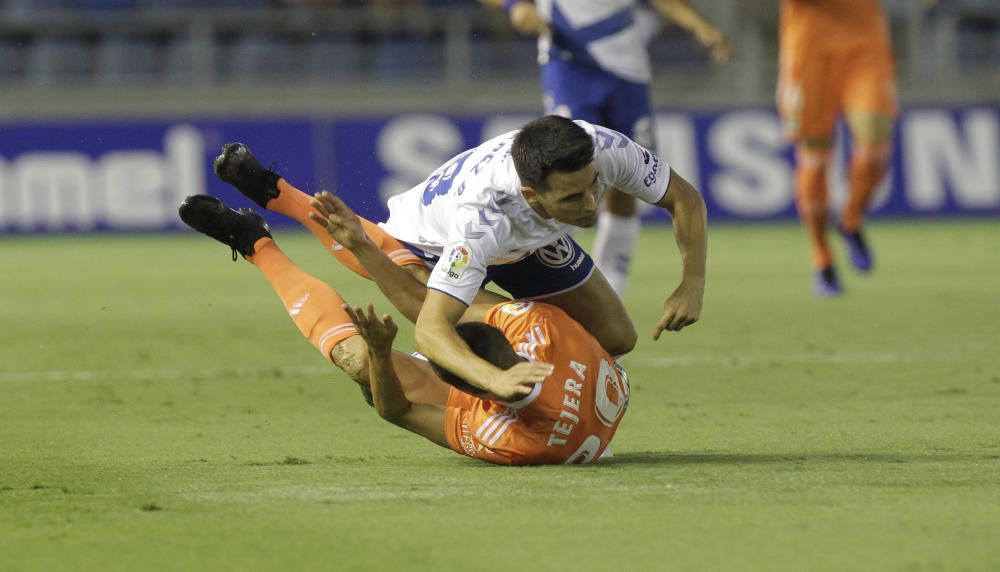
816 85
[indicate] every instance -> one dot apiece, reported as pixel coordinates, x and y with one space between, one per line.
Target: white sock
613 248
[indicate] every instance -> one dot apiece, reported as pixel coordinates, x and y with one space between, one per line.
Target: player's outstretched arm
436 338
403 290
690 218
387 393
685 16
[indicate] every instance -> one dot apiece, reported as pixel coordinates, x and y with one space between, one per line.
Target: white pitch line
788 359
162 374
736 361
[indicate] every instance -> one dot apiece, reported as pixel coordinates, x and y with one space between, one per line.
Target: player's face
572 197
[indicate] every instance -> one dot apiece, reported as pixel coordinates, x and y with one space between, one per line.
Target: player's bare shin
690 220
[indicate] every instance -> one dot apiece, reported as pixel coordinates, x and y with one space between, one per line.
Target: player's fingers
681 321
662 325
351 313
340 206
319 203
540 371
687 322
539 366
722 52
327 200
389 323
319 218
362 318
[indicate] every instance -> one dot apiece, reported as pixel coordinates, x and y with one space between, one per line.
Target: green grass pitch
159 411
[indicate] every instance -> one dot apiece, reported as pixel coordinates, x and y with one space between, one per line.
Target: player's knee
622 340
875 153
629 338
869 126
351 356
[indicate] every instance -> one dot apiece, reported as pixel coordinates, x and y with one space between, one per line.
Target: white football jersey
601 32
470 212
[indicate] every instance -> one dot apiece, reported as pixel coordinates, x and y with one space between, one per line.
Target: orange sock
313 306
810 198
868 165
295 204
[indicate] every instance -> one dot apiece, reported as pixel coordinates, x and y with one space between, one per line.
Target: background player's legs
809 100
617 230
629 110
871 134
870 108
811 198
811 164
317 311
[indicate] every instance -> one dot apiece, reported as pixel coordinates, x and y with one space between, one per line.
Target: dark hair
547 145
486 342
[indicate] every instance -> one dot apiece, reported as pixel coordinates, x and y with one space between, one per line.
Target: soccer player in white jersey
501 212
595 66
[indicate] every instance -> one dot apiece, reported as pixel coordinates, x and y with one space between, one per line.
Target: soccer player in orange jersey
836 59
570 418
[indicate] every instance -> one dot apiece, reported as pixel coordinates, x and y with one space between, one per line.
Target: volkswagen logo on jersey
558 254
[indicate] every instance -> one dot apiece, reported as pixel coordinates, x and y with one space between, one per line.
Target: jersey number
440 182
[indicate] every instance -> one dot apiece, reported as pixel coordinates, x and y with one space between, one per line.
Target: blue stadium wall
130 175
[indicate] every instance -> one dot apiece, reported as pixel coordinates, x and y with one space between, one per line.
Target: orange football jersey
821 23
569 418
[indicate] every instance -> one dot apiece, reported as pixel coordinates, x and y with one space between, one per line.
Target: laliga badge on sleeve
454 260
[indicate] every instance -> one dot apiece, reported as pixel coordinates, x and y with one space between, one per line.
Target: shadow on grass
667 458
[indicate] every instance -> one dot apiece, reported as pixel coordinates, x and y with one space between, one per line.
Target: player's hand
682 308
525 18
338 219
377 332
716 42
518 381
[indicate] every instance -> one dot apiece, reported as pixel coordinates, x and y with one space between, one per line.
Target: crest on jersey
558 254
516 308
612 393
453 263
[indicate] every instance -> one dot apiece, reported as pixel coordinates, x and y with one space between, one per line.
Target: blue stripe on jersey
566 38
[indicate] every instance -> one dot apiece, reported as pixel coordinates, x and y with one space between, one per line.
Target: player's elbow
393 413
690 200
425 334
